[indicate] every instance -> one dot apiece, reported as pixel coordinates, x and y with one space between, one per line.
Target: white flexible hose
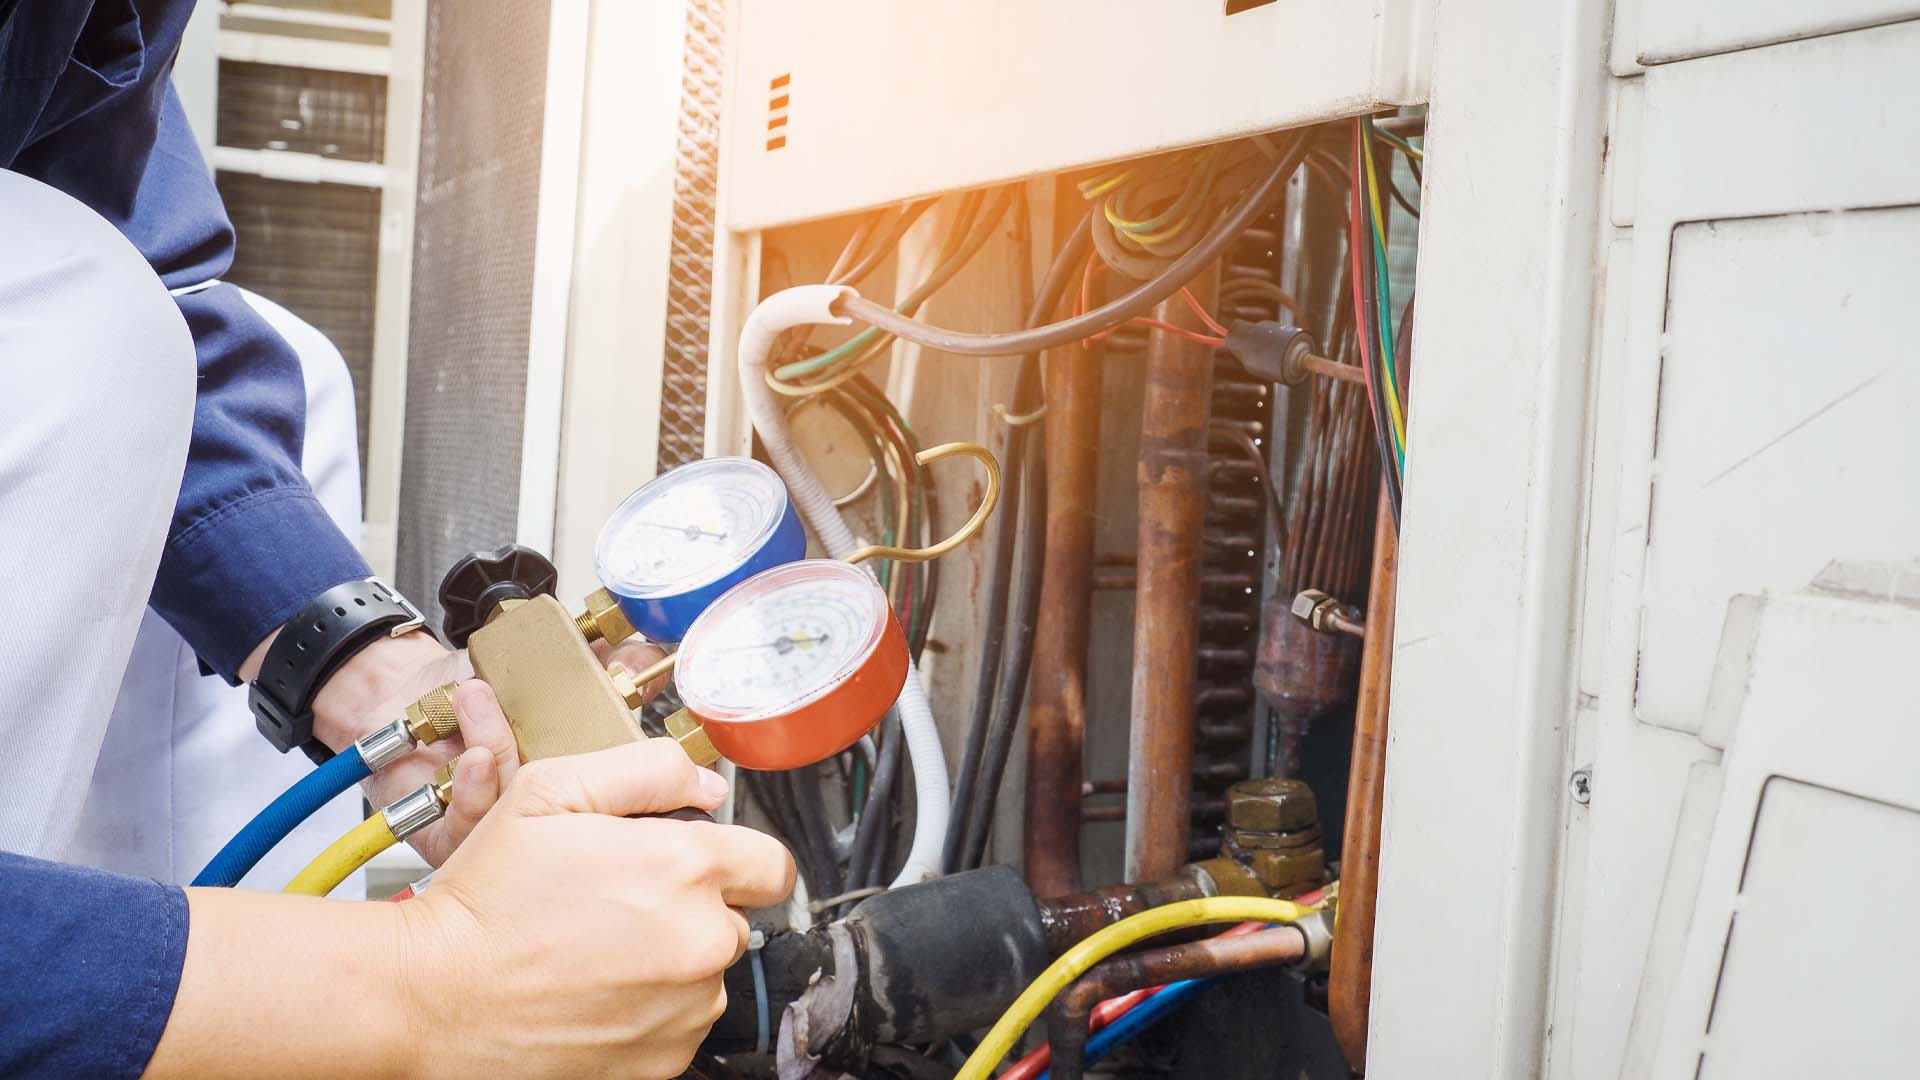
808 305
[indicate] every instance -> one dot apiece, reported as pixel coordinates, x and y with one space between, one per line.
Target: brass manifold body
560 699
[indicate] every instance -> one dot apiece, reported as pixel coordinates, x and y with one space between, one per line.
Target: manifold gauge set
784 660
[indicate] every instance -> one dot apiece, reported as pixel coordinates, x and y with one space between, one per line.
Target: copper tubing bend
1173 472
1349 995
1067 1020
1056 695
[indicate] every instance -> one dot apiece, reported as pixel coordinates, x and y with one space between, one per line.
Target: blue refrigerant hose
282 816
1141 1017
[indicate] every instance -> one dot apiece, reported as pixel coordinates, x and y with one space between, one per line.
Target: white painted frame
555 224
622 247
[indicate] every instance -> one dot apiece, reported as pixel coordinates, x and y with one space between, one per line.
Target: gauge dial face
781 639
689 527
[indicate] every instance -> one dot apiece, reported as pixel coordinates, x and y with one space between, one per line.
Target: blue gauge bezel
665 617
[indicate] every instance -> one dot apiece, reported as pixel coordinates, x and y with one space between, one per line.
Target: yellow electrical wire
1104 943
1395 415
343 857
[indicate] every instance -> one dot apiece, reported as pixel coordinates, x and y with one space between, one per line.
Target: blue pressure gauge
689 535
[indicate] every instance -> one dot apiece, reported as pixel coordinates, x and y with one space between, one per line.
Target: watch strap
330 630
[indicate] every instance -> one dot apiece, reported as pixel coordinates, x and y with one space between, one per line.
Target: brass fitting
1326 614
431 718
692 738
603 620
1273 831
443 783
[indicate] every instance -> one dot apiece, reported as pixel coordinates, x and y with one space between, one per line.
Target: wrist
372 686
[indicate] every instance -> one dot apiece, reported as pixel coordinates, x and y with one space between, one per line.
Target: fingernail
712 784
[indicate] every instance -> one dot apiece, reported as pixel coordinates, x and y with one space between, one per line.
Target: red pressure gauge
793 665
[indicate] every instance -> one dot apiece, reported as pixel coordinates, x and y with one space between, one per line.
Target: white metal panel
891 99
1670 30
1483 690
1712 133
1826 701
1785 430
1788 938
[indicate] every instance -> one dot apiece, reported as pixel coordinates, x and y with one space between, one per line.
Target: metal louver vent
683 380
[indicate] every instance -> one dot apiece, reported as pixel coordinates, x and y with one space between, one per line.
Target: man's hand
380 681
566 935
562 940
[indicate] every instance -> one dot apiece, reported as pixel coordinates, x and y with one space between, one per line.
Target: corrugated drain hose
808 305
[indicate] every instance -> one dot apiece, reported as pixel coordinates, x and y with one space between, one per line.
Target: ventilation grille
314 249
683 379
484 95
334 114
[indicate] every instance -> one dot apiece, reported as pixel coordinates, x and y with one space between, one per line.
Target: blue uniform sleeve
89 965
249 544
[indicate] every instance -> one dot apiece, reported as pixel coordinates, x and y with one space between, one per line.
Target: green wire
1383 311
1389 137
949 266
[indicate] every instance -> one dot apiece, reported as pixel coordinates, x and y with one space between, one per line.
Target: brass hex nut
1306 602
604 619
1271 805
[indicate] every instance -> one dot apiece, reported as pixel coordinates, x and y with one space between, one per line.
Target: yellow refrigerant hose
1104 943
343 857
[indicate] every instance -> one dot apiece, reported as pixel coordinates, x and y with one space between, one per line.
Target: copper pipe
1332 369
1113 580
1067 1020
1172 474
1066 920
1349 993
1056 689
1090 814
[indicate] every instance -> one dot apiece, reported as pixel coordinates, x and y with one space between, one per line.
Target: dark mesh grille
484 96
314 249
335 114
683 380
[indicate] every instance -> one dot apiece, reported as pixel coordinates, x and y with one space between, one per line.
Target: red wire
1202 312
1094 265
1036 1062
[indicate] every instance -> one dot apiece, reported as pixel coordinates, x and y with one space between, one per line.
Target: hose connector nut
432 718
385 745
1317 928
414 811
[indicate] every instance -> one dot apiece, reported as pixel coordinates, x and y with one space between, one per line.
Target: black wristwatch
328 632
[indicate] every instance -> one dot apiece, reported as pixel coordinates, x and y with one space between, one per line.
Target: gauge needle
783 644
691 532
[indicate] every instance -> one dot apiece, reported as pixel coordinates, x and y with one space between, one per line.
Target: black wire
1011 691
887 242
1000 564
1254 203
866 865
1399 198
1362 283
1403 365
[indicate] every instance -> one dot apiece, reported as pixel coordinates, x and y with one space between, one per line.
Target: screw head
1580 785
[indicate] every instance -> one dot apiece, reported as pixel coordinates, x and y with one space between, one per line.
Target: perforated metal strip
683 379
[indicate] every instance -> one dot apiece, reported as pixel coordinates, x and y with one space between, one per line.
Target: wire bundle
1373 307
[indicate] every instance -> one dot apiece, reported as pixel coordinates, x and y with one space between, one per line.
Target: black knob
479 582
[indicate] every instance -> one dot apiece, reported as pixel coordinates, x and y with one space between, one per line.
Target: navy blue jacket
86 106
90 962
